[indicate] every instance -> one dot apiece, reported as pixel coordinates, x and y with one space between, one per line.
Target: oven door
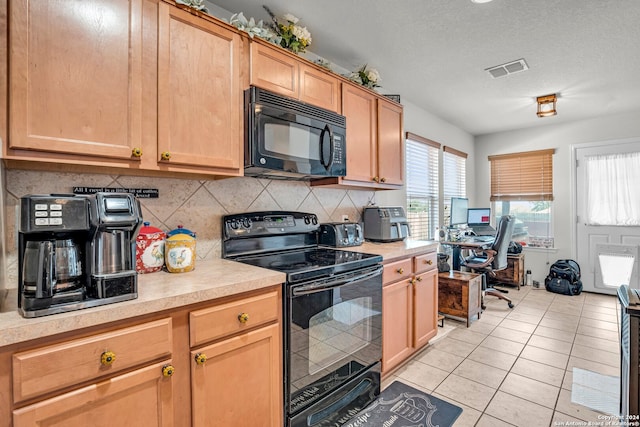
333 337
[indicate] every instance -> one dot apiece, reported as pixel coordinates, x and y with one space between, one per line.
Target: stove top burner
310 262
280 265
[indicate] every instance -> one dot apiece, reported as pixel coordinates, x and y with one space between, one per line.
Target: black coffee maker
59 269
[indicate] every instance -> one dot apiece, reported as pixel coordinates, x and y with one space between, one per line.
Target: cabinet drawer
426 262
142 397
211 323
72 362
397 270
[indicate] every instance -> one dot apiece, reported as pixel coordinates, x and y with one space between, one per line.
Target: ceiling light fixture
480 1
547 105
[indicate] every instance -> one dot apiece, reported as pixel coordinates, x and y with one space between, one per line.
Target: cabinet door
76 78
319 88
359 107
425 308
390 143
274 70
397 321
241 381
139 398
199 94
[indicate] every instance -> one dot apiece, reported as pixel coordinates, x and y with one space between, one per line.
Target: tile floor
515 367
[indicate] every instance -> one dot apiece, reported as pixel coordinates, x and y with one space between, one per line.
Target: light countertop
211 279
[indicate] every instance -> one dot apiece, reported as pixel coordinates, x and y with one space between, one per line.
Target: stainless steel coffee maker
115 220
76 251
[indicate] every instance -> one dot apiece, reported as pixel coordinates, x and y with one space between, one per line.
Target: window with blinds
522 185
422 185
522 176
454 177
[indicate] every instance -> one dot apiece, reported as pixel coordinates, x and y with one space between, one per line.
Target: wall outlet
345 218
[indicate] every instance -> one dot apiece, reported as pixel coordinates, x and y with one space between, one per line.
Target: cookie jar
180 250
149 249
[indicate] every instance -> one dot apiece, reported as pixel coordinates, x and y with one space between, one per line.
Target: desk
459 245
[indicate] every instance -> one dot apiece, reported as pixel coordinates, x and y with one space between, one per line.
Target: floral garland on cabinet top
286 32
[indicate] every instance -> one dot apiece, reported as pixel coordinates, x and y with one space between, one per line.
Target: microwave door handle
331 148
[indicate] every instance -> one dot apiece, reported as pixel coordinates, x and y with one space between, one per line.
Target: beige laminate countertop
160 291
394 250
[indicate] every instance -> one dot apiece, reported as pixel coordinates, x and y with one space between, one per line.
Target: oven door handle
323 286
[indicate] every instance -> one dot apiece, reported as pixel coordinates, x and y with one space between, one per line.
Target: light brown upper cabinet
276 70
128 84
390 143
76 77
374 141
360 109
199 92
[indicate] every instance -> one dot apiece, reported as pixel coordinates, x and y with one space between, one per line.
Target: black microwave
288 139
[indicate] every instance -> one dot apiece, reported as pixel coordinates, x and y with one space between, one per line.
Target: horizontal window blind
522 176
422 185
455 173
454 164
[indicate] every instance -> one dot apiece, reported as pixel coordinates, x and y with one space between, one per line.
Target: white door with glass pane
608 214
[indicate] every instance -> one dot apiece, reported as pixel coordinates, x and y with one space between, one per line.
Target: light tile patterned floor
515 366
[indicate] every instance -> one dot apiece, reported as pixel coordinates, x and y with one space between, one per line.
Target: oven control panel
268 223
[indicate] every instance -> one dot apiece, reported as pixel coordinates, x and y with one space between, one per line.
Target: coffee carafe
52 247
52 266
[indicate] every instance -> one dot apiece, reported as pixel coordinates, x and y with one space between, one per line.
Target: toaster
340 234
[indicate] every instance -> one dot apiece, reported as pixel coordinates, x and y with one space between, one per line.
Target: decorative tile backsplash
197 205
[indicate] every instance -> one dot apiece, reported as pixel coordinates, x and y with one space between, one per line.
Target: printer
385 224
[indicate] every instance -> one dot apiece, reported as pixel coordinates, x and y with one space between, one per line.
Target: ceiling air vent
508 68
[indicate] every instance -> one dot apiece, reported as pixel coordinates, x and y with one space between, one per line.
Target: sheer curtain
613 189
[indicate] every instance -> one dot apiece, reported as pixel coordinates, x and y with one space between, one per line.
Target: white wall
561 137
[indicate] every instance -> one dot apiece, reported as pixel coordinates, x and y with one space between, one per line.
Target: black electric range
332 319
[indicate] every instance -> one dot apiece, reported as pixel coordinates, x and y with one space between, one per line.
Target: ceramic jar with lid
180 250
149 249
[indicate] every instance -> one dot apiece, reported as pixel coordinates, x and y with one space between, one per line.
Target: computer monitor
478 216
459 207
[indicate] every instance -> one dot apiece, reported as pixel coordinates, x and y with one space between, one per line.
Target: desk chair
490 260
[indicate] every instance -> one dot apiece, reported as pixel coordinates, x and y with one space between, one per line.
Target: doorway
607 235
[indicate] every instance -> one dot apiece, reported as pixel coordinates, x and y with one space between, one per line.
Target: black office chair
488 261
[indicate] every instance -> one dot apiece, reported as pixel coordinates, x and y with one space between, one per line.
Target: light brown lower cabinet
236 379
142 397
216 363
239 383
409 308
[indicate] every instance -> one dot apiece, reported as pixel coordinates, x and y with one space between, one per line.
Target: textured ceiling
434 53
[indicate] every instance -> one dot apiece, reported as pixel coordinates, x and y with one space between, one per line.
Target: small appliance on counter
180 250
340 234
76 251
385 224
150 249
